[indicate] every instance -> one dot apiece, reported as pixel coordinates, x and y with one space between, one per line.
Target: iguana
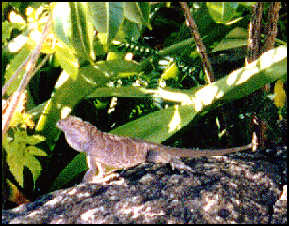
105 150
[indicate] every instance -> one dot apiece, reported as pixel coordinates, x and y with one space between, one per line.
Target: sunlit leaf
62 21
119 67
12 67
222 12
171 72
67 59
35 139
107 18
82 31
137 12
68 93
35 151
280 94
235 38
160 125
18 157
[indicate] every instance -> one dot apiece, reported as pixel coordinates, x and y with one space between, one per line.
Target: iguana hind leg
162 157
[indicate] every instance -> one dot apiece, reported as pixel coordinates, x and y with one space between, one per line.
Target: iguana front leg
98 173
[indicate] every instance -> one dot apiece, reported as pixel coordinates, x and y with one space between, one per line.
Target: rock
239 188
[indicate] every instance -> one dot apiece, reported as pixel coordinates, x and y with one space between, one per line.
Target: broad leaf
13 66
61 18
75 167
119 67
71 26
137 12
107 18
237 37
82 31
222 12
67 59
160 125
68 93
128 31
173 95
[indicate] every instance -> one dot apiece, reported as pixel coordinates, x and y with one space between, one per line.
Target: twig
199 43
25 80
15 75
41 64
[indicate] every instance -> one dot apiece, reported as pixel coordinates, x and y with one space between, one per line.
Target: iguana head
76 132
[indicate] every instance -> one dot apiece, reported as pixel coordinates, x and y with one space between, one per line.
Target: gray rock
239 188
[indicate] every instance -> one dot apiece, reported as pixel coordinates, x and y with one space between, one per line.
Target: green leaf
82 31
33 165
71 26
75 167
98 47
169 94
237 37
35 139
7 28
35 151
15 163
170 72
61 18
222 12
68 93
137 12
20 156
12 67
115 55
146 10
279 94
269 67
67 60
160 125
128 31
107 18
247 4
120 92
119 67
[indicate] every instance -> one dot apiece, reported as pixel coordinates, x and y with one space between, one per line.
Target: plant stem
30 64
199 43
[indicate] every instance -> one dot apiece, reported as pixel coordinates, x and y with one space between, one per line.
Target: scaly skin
118 152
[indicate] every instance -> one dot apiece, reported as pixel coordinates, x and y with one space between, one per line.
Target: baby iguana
106 150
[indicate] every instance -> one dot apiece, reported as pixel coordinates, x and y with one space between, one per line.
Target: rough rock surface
240 188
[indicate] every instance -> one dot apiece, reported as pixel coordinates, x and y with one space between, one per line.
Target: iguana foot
109 179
